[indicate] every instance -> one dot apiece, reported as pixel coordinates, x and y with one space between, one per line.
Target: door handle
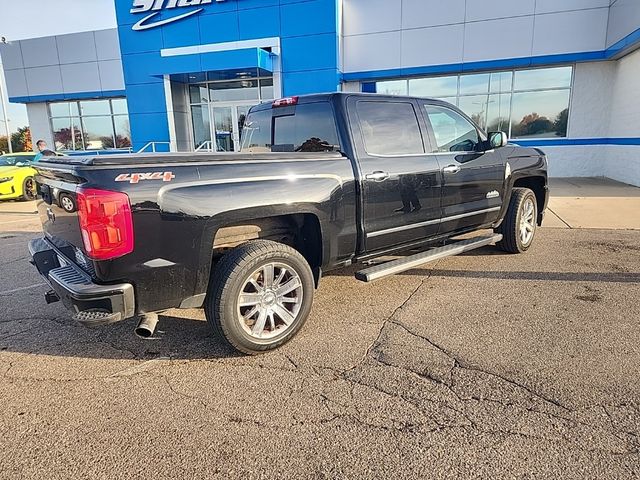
451 169
377 176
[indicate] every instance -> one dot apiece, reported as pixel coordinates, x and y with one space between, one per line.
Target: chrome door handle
377 176
451 169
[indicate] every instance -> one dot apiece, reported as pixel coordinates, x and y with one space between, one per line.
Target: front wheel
260 295
29 191
518 228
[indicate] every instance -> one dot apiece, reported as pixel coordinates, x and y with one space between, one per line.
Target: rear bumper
92 304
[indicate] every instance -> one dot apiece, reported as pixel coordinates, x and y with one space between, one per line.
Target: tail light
285 102
106 223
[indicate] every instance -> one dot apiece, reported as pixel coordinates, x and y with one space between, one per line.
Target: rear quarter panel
175 221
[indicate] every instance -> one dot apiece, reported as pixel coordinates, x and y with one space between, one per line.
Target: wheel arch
537 184
234 228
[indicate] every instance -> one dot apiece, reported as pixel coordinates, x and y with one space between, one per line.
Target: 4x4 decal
138 177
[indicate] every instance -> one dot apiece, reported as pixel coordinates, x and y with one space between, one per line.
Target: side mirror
498 139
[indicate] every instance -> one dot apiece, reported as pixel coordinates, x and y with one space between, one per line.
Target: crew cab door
472 174
400 182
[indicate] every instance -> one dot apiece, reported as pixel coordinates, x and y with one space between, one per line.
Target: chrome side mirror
498 139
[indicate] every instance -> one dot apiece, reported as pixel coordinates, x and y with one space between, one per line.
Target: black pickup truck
322 182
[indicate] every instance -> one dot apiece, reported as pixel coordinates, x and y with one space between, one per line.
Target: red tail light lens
285 102
106 223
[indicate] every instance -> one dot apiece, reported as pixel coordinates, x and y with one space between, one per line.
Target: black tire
29 189
512 242
229 278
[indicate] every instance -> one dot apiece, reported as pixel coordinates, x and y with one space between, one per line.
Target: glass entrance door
227 123
219 108
223 128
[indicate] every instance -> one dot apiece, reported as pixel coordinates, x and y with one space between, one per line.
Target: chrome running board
407 263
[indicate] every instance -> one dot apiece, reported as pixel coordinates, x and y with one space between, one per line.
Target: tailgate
58 210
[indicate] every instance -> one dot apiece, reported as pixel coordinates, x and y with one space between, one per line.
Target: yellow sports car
16 176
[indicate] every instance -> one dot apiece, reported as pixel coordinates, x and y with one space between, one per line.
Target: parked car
17 176
322 182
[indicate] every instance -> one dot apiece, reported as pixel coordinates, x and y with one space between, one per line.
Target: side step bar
407 263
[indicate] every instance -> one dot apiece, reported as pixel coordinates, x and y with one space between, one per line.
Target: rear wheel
518 228
67 203
29 191
260 295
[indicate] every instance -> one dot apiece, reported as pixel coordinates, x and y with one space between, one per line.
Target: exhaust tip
147 325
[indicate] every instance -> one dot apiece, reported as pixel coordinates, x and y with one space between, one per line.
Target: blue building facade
295 41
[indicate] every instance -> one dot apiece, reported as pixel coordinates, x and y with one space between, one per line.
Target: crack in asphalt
376 352
455 400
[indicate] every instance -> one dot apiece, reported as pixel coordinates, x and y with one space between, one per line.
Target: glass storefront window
393 87
119 106
60 109
542 78
95 107
451 100
474 84
476 107
201 124
434 87
62 133
498 110
540 114
501 82
234 91
198 94
90 124
266 89
530 103
123 131
98 133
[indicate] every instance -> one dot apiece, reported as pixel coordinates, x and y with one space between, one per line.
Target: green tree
20 141
560 123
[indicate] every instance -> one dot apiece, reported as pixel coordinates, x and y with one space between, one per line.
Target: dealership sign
154 7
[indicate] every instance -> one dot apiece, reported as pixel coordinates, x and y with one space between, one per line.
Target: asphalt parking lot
485 365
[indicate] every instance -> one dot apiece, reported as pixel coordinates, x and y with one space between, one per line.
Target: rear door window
389 128
305 128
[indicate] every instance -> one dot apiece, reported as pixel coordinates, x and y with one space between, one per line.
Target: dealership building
180 75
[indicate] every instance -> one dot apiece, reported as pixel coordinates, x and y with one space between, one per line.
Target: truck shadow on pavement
523 275
59 335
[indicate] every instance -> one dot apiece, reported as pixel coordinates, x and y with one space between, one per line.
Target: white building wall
590 107
605 103
623 162
624 18
576 161
397 34
625 97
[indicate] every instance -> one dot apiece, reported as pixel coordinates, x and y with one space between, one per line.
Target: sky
21 19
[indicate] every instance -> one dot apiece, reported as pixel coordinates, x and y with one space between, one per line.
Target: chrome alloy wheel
527 221
67 204
270 300
30 188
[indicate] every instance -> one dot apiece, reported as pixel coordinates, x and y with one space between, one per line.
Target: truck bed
145 159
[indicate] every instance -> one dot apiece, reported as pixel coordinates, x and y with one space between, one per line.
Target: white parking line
21 289
16 221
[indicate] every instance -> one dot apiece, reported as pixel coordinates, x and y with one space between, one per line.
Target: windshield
12 160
